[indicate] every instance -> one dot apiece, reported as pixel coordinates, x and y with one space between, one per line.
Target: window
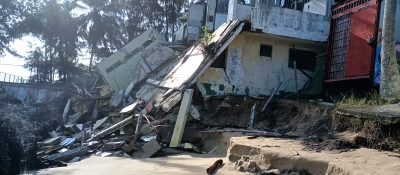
265 50
210 18
147 43
305 60
114 66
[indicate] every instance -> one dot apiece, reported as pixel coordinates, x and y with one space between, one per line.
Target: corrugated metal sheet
165 87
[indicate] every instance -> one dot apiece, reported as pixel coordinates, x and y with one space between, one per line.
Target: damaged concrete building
153 87
263 55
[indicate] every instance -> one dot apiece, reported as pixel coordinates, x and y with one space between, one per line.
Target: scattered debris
76 159
68 155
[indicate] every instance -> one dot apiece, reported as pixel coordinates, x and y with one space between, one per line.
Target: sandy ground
186 163
268 153
287 154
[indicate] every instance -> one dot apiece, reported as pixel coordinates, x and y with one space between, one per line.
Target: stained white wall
238 11
247 73
290 23
196 20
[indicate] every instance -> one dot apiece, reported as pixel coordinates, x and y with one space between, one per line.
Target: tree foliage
70 27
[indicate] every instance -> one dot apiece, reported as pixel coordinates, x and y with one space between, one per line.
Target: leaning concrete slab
112 129
68 155
390 114
182 117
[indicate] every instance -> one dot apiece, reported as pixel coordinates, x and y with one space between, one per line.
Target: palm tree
100 26
54 26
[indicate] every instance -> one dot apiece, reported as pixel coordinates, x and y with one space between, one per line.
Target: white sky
14 65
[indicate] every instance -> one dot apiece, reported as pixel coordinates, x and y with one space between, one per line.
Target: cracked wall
247 73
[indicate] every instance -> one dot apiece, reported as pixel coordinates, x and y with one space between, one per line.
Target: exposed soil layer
326 143
281 115
264 155
368 133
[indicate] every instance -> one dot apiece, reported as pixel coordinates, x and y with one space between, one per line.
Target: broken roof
166 85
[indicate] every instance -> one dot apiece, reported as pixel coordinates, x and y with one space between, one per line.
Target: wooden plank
182 117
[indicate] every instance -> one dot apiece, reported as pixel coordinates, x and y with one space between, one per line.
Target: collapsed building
147 92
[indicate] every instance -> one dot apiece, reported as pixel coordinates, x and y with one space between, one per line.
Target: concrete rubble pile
139 116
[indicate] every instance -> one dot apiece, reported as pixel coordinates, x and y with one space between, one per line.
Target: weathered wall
238 11
211 8
316 7
247 73
35 94
220 18
180 34
117 69
290 23
196 20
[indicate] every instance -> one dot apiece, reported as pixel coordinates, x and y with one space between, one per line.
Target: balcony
292 19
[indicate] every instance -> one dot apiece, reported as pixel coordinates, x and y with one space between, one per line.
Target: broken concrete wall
35 94
290 23
118 68
154 57
248 73
214 82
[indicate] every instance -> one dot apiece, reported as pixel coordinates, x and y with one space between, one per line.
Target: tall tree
54 26
100 27
11 12
142 15
390 76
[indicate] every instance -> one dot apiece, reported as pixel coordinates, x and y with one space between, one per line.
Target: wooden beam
182 117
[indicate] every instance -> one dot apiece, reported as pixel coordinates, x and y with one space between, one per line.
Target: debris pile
140 116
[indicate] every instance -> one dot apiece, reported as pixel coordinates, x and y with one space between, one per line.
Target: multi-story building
284 42
355 44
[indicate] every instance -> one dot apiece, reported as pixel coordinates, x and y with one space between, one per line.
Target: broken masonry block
113 145
151 148
194 112
72 128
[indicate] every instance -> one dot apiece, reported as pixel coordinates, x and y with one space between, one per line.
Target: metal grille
348 6
265 50
340 43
